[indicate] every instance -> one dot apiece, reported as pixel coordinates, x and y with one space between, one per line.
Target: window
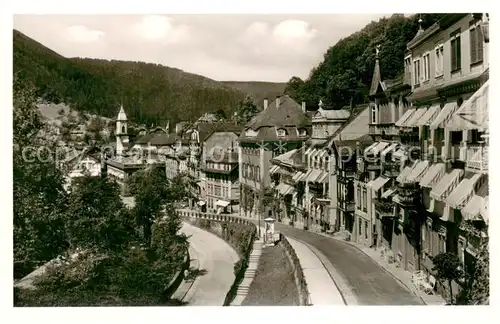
476 45
302 132
424 237
416 71
456 137
217 191
281 132
374 114
358 198
439 61
365 203
359 227
442 244
427 67
366 229
408 69
456 57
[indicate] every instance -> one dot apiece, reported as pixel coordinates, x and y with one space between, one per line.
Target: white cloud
161 28
83 34
294 30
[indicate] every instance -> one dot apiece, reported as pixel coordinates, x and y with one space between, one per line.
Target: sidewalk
403 276
322 289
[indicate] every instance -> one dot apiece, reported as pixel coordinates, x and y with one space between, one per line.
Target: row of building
406 173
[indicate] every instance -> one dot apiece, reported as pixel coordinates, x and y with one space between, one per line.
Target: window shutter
473 45
480 42
459 54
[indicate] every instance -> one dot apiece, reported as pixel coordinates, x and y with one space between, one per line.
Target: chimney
265 103
278 102
303 106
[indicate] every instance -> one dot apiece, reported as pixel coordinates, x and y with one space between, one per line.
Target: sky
222 47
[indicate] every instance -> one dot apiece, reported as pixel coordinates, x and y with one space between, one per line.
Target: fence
298 273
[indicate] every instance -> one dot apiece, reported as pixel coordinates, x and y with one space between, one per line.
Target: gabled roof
341 114
289 113
354 129
207 129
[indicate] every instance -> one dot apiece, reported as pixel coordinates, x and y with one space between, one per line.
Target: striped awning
418 171
429 116
441 190
433 175
461 194
388 193
405 117
369 148
286 189
445 112
379 183
298 176
473 114
414 118
323 178
400 154
406 171
377 149
274 169
472 210
222 203
389 149
313 176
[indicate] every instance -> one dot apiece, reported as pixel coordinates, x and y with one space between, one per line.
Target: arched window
123 129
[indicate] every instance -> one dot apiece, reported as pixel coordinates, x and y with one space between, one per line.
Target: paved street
369 282
217 258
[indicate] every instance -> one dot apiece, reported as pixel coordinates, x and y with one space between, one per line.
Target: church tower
121 132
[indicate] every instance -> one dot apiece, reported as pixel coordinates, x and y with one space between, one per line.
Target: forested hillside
347 67
151 93
258 90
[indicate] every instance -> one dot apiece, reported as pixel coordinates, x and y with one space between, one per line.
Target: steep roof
121 115
341 114
354 128
289 113
207 129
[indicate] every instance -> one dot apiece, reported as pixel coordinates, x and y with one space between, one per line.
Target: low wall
178 277
215 224
298 274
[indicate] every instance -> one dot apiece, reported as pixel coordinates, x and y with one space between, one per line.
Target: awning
322 201
298 176
369 148
289 190
274 169
222 203
285 189
323 178
473 114
446 184
461 194
399 154
413 120
201 203
389 149
377 149
433 175
418 171
379 183
472 210
388 193
429 116
313 176
406 171
405 117
445 112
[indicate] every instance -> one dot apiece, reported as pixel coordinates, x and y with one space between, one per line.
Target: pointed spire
376 78
121 115
420 29
320 104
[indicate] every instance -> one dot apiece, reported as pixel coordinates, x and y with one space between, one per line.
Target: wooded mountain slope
150 93
347 68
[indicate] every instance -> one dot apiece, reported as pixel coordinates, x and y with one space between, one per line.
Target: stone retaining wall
298 273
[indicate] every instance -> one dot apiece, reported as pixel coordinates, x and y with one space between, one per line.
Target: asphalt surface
216 259
368 281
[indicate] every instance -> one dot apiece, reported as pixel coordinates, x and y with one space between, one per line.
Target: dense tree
247 109
39 197
448 268
97 217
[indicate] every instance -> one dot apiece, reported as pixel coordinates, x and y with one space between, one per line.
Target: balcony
391 169
409 194
476 158
382 129
373 166
385 208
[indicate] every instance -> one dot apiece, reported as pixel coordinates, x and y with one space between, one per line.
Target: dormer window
302 132
281 132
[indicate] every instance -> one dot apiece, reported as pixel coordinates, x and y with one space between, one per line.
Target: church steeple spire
377 78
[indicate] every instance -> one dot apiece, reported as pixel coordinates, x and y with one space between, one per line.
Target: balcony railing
375 129
385 208
409 194
391 169
476 158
